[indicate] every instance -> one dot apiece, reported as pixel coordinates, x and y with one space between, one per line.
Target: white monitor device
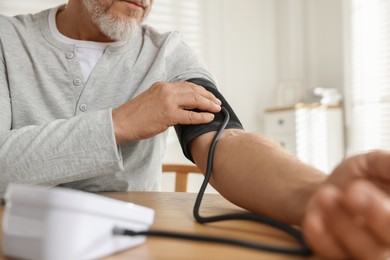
58 223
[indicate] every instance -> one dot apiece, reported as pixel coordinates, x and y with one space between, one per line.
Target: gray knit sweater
55 128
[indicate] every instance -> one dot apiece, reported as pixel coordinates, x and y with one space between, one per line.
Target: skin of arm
276 183
349 209
242 159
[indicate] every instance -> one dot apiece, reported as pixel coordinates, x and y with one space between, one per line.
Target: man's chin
119 30
126 35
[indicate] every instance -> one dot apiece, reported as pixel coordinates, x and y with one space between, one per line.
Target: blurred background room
314 75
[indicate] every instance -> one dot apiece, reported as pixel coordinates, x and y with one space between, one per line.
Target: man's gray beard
111 27
116 29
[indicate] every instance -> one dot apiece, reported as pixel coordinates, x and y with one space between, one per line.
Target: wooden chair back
181 174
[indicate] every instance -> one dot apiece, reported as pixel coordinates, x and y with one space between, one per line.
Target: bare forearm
253 172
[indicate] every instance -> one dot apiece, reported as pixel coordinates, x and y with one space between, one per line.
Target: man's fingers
375 165
318 236
195 101
186 117
197 97
346 229
186 95
205 93
372 207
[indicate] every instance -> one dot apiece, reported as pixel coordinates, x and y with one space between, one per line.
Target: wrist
307 194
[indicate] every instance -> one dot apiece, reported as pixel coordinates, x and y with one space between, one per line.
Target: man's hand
162 106
349 216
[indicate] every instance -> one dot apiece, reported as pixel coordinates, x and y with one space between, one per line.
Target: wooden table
174 213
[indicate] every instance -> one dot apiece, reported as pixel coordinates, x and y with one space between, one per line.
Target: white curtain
368 75
185 16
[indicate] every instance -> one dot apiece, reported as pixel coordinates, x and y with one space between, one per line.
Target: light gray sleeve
58 152
183 63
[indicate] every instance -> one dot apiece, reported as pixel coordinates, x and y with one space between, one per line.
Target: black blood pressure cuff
187 133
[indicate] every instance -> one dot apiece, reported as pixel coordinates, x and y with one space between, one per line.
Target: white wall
254 45
242 55
325 59
310 40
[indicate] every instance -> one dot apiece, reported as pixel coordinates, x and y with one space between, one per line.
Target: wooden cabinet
312 132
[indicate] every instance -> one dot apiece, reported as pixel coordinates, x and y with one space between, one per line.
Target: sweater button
69 55
83 107
77 82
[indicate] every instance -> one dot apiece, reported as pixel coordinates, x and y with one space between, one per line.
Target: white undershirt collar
87 52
